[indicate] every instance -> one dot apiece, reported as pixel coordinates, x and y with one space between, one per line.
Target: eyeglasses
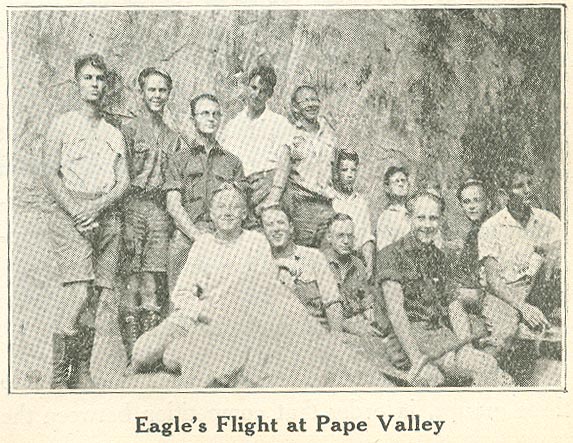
206 114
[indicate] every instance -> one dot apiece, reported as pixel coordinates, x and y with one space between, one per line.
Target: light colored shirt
89 153
216 268
393 224
516 247
309 265
256 142
312 157
356 206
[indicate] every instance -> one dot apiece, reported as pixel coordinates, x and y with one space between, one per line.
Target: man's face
91 83
307 104
277 228
347 174
398 184
258 93
155 92
426 217
520 193
207 117
474 203
341 237
228 210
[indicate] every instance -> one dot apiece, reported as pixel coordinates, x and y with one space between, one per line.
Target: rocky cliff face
438 88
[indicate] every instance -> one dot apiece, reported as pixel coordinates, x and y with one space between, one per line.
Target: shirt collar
332 258
508 220
199 147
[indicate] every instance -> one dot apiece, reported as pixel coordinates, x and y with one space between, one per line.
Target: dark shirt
353 284
467 269
196 174
422 271
147 150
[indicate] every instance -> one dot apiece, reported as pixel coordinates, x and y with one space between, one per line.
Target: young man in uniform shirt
196 167
305 168
85 171
146 233
256 135
356 206
413 274
303 270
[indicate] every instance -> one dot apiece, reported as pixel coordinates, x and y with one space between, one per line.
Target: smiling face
155 92
474 203
259 93
277 228
307 104
207 117
426 217
228 210
91 83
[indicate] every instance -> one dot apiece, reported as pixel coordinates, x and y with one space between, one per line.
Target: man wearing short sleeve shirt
196 167
520 249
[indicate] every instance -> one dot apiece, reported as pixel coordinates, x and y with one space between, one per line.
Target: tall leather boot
131 332
80 377
62 347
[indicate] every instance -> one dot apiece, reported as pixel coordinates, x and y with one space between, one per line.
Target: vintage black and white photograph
286 199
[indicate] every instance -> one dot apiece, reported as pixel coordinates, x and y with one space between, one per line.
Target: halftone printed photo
286 200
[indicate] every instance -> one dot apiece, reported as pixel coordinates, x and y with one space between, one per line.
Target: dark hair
511 168
145 73
205 95
293 100
468 183
346 155
267 74
339 216
94 60
427 193
394 170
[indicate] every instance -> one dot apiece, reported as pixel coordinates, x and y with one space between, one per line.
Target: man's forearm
283 169
460 320
368 253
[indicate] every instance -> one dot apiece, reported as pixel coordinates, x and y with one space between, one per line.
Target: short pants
88 256
146 235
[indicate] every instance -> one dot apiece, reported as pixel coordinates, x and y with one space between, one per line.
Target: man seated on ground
519 248
355 205
303 270
196 167
472 305
412 273
235 325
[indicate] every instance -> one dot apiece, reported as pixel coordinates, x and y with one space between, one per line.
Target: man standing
412 273
85 172
355 205
303 270
146 234
305 167
195 169
256 135
394 222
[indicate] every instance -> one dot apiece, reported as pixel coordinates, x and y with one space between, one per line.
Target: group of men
187 215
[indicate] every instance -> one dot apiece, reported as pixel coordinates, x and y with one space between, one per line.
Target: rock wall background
451 92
